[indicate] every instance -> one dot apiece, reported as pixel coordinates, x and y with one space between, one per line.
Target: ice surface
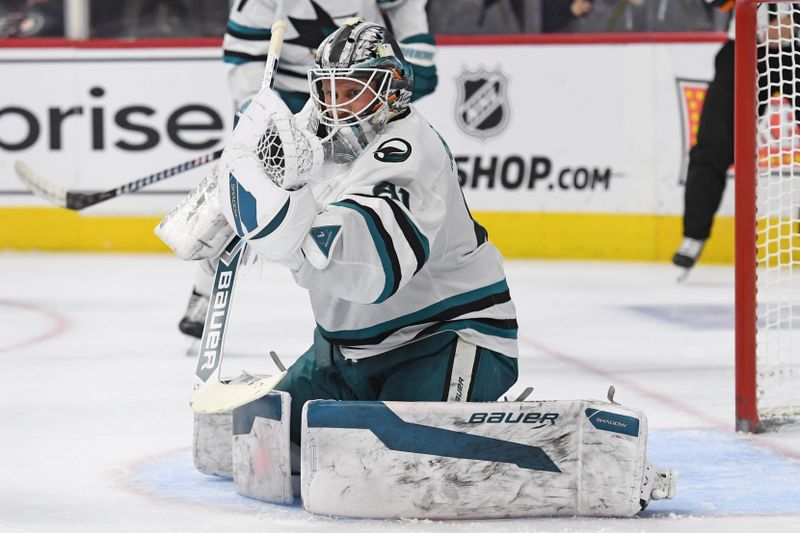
95 430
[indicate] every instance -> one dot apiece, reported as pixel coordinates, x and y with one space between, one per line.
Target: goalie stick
76 201
209 393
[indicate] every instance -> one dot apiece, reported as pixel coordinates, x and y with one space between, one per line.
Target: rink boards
564 149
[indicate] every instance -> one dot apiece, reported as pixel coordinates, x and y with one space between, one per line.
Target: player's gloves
420 51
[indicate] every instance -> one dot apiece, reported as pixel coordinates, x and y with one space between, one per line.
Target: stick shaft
76 200
79 200
209 362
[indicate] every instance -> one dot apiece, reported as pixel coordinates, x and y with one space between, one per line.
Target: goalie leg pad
211 444
261 450
448 460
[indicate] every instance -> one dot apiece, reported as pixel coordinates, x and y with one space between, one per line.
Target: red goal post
767 204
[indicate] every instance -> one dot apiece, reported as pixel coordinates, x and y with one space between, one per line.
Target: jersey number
390 190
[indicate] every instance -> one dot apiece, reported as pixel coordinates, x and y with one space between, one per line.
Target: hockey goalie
392 411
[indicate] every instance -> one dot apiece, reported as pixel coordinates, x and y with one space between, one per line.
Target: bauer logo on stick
482 108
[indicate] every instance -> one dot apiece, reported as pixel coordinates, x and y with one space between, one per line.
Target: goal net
767 131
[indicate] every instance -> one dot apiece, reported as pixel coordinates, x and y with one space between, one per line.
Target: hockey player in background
310 21
409 296
712 155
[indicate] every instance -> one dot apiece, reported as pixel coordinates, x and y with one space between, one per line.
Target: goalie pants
438 368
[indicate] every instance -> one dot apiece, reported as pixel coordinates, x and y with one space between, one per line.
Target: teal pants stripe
415 372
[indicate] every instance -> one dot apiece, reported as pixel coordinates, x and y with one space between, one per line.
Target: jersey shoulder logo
394 150
324 236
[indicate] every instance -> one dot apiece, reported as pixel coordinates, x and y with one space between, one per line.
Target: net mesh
778 215
270 153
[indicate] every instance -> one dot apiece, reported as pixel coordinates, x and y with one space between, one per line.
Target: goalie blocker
447 460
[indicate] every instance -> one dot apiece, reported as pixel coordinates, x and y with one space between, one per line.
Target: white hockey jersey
310 21
396 256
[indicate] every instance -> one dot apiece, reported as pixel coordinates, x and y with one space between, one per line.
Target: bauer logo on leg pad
399 435
540 419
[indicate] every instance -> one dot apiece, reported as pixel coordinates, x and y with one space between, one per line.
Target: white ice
95 429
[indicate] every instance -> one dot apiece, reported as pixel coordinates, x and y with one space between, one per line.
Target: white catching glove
291 156
263 169
196 228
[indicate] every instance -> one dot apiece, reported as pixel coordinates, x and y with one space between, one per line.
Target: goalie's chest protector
446 275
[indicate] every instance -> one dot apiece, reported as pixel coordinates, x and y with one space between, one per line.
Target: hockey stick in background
209 393
80 200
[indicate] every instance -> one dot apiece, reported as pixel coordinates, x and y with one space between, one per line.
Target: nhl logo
482 109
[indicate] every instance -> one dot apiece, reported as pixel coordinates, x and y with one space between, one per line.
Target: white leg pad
448 460
211 445
261 450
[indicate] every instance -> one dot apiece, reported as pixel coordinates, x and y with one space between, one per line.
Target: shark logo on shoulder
393 151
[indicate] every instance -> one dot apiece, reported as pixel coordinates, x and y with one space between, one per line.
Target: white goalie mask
360 82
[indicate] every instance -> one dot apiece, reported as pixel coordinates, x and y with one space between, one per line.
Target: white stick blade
39 186
222 397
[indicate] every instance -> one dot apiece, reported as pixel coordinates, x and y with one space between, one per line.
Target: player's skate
687 255
193 320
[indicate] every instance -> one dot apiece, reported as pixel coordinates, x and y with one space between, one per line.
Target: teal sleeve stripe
416 239
380 246
274 223
234 60
424 38
246 32
421 239
420 316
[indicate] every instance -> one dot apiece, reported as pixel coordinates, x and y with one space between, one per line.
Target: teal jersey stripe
274 223
420 316
235 60
238 30
421 239
424 38
416 239
480 327
380 246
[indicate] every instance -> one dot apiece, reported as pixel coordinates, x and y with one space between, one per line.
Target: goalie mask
360 81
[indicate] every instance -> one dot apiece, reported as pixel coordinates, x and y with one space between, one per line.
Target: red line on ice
662 398
59 325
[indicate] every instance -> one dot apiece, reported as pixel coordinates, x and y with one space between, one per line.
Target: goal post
767 223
